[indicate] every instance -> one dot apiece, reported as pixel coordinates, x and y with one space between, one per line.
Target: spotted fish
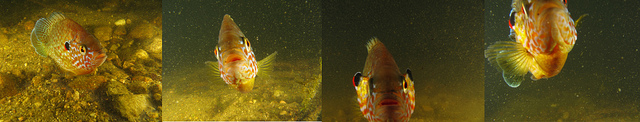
67 43
384 94
543 34
236 63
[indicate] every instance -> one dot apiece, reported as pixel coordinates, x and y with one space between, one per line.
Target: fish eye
215 52
66 46
356 79
404 84
83 50
512 19
246 41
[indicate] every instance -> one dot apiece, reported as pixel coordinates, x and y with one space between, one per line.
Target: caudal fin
510 58
265 66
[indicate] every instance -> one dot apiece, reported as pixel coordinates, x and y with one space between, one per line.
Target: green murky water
440 42
599 81
291 92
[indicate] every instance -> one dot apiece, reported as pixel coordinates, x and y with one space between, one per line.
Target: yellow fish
384 94
543 34
237 64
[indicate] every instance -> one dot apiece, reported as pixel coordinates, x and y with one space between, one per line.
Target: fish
384 94
542 34
236 64
72 47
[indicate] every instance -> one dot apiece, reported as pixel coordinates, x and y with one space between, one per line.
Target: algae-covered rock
120 30
156 91
132 106
9 85
145 30
153 46
115 88
139 85
141 54
103 33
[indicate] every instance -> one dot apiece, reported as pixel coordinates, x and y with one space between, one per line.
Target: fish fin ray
265 66
215 72
372 43
510 58
579 20
39 37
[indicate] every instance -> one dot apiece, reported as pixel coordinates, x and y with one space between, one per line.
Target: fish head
384 98
543 26
84 53
238 66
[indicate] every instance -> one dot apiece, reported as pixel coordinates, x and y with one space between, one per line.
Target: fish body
384 94
543 34
67 43
236 63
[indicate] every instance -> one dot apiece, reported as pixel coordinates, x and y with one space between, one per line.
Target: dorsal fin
372 43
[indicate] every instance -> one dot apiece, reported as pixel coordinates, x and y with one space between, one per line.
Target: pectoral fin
265 66
215 70
512 59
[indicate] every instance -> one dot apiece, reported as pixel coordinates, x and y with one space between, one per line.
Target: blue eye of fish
356 79
66 46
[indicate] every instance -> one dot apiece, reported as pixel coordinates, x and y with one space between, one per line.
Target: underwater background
126 87
441 42
290 92
599 82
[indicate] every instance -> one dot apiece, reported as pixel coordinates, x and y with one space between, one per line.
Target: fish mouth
389 102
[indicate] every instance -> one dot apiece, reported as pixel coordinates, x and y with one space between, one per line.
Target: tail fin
265 66
510 58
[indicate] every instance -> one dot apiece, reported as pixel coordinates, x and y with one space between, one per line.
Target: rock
8 85
139 85
88 82
120 30
132 106
154 47
156 90
76 95
141 54
115 88
278 93
103 33
145 30
120 22
283 112
37 104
